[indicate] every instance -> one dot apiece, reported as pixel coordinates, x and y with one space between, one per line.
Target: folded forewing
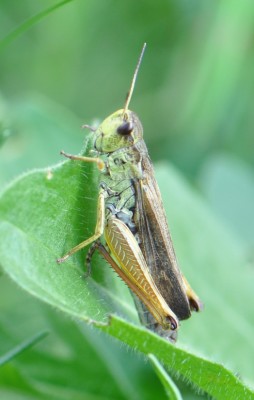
156 244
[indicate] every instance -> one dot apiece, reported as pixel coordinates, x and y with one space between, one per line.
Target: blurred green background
194 92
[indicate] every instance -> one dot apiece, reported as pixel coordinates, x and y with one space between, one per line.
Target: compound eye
125 128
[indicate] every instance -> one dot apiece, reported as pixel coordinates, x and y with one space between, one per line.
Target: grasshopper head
121 129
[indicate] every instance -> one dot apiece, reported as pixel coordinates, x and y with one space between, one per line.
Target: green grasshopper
131 232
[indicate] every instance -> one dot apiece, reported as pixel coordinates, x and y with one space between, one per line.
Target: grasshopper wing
156 243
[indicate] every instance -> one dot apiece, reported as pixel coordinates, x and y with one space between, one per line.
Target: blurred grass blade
29 22
22 347
170 387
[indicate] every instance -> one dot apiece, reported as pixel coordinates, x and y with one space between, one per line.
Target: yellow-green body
131 231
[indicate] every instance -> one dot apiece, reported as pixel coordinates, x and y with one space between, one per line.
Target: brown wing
156 243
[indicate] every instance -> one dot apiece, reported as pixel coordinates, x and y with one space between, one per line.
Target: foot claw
60 260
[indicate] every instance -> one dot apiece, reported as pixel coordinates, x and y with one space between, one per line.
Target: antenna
128 99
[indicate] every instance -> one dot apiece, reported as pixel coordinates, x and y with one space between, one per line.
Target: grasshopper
131 232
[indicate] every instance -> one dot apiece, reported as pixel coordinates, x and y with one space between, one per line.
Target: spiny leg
97 160
89 257
102 250
98 229
128 281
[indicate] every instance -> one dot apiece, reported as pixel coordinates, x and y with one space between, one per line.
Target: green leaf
206 375
13 386
35 130
170 387
52 220
45 214
228 185
71 361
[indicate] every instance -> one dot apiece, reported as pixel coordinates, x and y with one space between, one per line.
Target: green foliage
72 362
47 220
27 24
170 388
194 96
21 348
